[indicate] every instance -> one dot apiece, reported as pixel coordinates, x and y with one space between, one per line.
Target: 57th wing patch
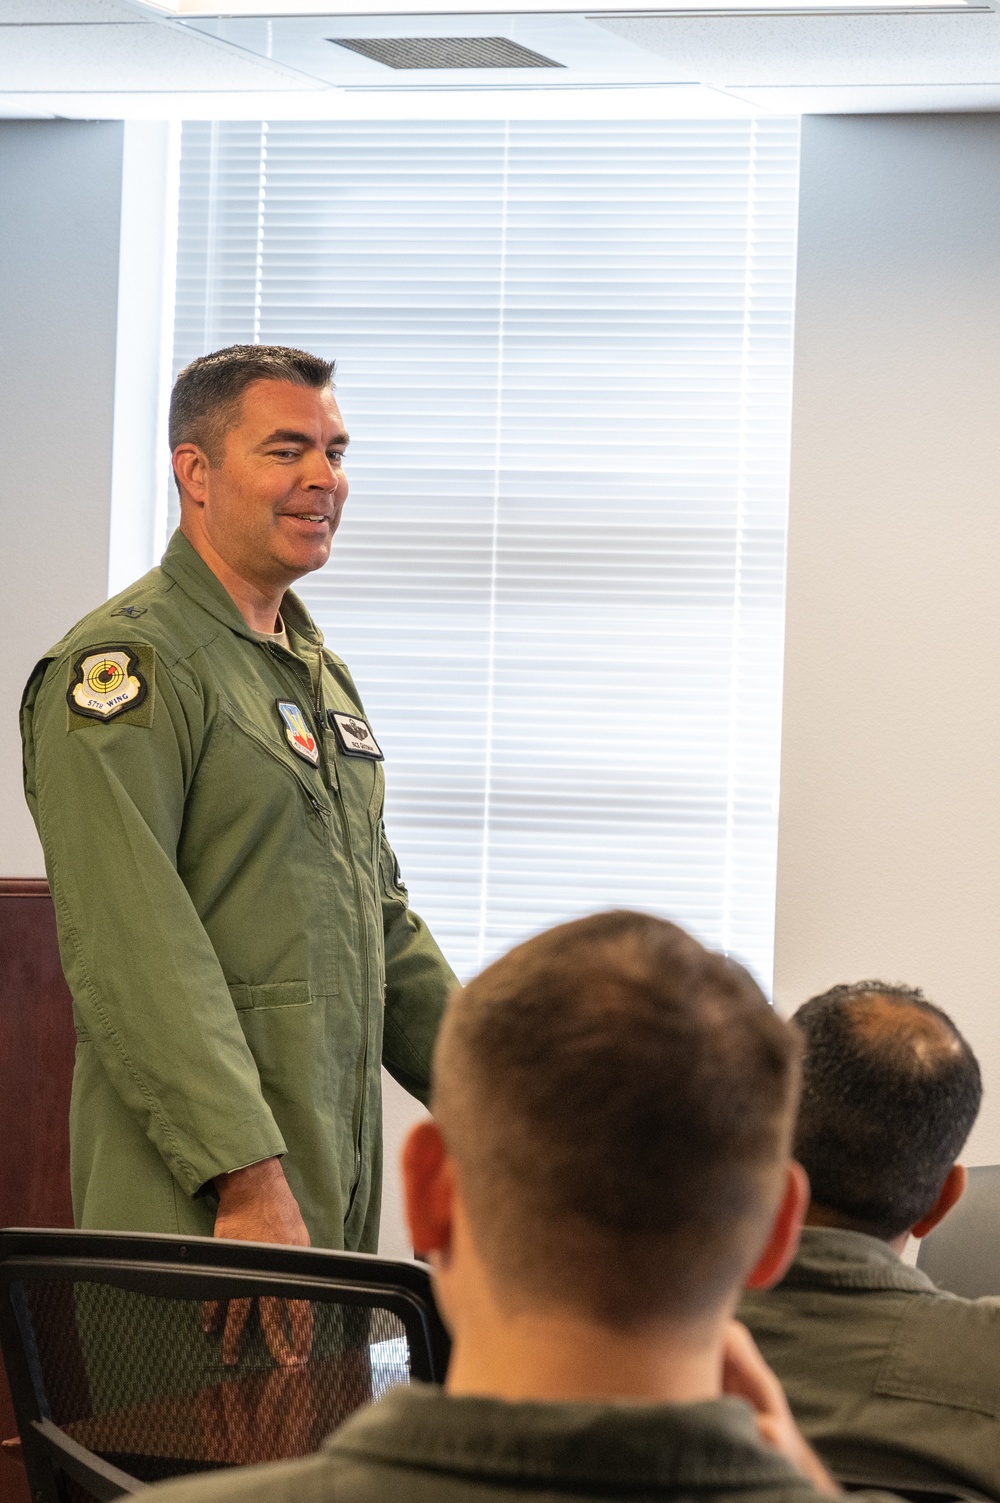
109 681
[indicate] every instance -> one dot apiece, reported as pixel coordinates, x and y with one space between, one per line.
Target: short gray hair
208 393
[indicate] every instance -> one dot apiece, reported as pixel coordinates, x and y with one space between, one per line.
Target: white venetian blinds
564 355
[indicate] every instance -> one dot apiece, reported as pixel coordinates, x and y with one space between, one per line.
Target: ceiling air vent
446 52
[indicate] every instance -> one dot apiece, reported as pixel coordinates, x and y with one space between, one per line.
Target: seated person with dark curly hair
891 1379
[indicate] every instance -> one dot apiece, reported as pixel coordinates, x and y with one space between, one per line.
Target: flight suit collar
185 566
628 1447
829 1258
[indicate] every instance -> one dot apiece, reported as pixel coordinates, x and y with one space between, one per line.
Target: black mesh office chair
963 1253
113 1344
912 1492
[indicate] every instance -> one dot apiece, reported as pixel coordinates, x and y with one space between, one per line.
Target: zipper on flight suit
333 781
361 1091
317 806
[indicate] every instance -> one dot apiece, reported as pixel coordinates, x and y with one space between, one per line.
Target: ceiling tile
736 51
44 12
148 57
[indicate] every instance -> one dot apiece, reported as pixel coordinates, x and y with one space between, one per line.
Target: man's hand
746 1375
256 1205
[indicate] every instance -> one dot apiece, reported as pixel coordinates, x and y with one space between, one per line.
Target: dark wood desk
37 1042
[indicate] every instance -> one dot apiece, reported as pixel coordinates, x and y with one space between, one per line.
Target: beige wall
82 423
60 197
889 845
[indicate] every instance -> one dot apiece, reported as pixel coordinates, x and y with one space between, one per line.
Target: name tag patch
297 733
106 683
354 735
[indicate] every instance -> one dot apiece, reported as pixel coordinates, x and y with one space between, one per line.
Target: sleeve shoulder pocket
945 1352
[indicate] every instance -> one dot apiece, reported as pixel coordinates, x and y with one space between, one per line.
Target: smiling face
265 512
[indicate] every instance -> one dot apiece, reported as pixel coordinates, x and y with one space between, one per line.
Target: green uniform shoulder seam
101 627
177 666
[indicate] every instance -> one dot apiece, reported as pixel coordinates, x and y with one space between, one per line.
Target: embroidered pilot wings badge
355 736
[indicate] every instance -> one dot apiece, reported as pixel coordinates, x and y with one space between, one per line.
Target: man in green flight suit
209 793
892 1379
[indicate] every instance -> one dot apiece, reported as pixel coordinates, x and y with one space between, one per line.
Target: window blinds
564 355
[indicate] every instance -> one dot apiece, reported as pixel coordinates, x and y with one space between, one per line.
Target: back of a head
618 1102
208 393
890 1091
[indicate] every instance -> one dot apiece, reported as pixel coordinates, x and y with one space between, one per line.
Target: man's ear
191 469
951 1193
428 1188
784 1237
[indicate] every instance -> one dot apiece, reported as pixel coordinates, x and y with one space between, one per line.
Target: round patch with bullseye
106 683
105 676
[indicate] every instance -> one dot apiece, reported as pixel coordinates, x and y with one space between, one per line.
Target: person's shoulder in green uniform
893 1380
607 1164
153 619
105 667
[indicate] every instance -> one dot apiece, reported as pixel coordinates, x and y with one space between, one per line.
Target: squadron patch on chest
300 738
354 735
106 683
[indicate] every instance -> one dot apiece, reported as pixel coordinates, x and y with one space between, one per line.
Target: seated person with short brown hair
892 1380
607 1165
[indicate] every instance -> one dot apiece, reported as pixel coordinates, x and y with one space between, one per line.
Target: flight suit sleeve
418 983
108 800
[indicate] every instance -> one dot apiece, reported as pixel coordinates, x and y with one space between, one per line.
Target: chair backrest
963 1253
114 1348
913 1492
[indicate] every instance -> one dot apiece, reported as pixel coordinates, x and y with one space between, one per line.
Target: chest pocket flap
946 1351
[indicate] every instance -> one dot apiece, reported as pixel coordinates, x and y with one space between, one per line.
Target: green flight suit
891 1379
231 919
419 1445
